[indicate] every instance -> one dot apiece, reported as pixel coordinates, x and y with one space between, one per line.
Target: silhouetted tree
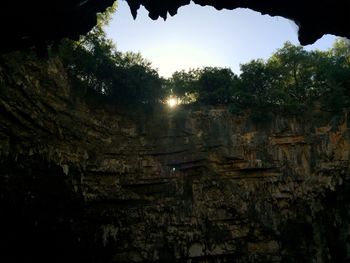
216 85
95 65
183 85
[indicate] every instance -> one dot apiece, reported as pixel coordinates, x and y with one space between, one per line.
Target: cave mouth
203 184
202 36
205 42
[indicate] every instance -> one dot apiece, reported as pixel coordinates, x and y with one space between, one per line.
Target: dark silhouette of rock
314 18
27 23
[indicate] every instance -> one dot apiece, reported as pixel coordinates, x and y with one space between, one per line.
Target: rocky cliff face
86 184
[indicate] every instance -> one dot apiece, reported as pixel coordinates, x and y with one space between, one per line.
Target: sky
202 36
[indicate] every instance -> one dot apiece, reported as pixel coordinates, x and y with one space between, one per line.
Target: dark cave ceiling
28 23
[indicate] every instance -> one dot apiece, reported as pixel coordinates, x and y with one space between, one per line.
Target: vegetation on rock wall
198 186
291 80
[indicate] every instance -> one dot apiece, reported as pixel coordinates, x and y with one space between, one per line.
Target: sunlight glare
172 102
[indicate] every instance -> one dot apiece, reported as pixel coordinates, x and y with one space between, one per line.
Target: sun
172 102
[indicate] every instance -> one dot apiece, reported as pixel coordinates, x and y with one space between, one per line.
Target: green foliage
216 85
96 66
255 86
341 50
291 81
209 85
104 18
183 85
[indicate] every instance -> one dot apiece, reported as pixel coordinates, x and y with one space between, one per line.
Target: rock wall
91 184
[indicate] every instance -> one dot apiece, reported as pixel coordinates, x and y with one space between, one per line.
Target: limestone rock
83 184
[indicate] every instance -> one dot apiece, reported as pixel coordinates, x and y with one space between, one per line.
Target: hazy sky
202 36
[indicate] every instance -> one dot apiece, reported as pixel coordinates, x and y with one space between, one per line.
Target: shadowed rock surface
86 184
314 18
29 23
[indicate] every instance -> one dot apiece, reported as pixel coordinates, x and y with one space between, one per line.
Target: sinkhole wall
93 184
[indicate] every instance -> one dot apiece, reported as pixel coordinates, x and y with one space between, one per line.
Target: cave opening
250 166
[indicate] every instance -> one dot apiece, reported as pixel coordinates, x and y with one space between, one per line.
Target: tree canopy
95 65
291 80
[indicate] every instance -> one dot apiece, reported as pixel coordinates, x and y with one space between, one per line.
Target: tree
341 50
215 85
136 82
255 84
182 85
293 69
96 66
336 72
